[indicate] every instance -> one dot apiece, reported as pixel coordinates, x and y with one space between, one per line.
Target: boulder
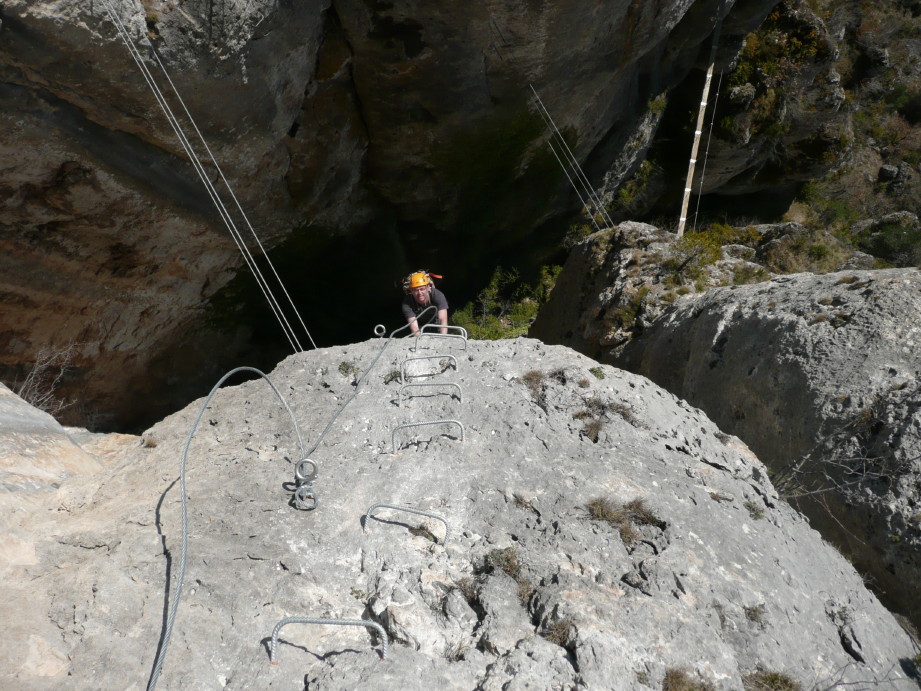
603 534
819 375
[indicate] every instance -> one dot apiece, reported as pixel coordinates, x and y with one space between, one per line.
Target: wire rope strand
174 606
585 205
232 195
199 168
571 156
581 190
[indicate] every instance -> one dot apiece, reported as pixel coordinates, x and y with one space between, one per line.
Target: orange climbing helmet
417 279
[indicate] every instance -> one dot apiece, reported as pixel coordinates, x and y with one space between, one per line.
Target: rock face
602 534
325 120
819 375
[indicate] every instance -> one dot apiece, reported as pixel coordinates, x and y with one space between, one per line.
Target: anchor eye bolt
305 471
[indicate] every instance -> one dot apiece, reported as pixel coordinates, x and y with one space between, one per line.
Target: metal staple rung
436 335
423 357
460 329
460 391
331 622
408 510
393 445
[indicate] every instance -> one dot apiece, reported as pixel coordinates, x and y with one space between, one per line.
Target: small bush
348 369
769 681
679 680
592 429
624 517
755 614
469 589
744 275
558 631
505 560
392 375
597 372
754 509
40 386
559 375
534 380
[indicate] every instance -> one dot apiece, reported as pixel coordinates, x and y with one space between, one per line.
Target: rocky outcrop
403 127
602 534
819 375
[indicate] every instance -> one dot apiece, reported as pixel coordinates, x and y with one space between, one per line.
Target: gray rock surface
713 575
820 376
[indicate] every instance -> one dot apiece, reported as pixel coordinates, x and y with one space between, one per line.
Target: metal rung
330 622
393 444
423 357
460 392
408 510
461 331
436 335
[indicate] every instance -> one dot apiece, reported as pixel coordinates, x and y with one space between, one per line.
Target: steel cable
168 629
209 187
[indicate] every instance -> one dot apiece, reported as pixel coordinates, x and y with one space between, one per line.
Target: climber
420 293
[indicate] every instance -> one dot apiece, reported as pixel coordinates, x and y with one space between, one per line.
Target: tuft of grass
422 531
754 509
392 375
535 381
507 560
558 631
756 615
524 504
584 383
744 275
625 411
348 369
625 517
762 680
469 589
679 680
598 372
559 375
592 429
504 560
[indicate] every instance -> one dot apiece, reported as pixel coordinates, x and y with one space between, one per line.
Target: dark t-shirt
412 309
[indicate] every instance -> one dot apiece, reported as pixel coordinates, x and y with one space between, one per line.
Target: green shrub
897 243
506 307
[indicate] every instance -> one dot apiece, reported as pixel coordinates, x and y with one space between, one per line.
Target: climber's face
421 295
